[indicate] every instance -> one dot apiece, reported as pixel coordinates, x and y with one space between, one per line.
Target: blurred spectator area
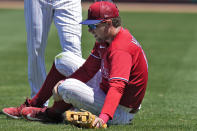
138 1
159 1
155 1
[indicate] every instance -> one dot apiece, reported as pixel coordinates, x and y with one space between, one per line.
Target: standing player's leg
67 17
38 18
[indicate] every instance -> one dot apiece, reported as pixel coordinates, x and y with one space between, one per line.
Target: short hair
116 21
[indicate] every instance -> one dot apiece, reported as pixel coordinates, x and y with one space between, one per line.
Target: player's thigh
66 19
69 12
38 18
95 81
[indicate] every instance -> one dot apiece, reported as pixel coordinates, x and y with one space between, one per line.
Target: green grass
170 42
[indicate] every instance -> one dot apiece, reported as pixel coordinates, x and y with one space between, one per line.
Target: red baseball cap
100 11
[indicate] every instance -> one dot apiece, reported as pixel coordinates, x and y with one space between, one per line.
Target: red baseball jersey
124 70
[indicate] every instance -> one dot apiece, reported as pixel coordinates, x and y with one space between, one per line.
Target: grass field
170 42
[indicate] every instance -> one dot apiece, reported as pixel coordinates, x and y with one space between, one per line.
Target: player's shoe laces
41 114
15 112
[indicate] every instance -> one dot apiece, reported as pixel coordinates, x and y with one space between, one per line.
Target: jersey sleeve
89 68
120 66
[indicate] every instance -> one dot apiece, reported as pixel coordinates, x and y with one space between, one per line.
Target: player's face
100 31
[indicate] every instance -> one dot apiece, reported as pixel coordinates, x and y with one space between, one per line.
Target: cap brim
90 22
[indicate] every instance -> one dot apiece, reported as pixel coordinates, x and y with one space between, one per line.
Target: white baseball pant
39 14
85 96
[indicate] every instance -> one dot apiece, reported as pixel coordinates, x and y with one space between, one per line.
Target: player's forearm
113 97
111 102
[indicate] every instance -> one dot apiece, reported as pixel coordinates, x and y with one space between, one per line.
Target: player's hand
98 123
56 95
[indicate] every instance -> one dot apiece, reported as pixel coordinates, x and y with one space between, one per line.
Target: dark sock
59 107
46 91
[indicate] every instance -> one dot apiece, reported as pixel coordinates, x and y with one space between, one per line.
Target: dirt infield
135 7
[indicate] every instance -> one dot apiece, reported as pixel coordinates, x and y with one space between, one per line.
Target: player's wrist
104 117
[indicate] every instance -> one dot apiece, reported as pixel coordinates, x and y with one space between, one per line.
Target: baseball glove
81 119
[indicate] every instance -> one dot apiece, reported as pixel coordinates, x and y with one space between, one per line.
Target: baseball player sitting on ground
110 84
